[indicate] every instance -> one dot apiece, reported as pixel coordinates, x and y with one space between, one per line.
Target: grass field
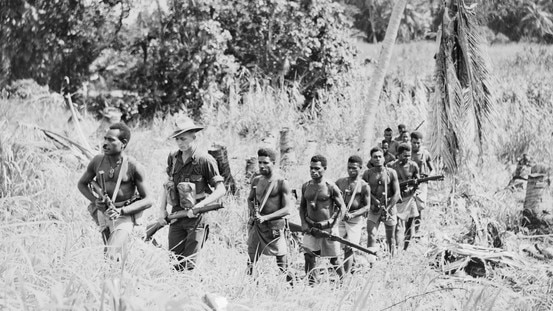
51 253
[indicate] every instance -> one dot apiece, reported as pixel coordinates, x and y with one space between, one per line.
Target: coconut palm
463 100
377 80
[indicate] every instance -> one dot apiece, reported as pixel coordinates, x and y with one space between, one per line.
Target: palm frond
464 101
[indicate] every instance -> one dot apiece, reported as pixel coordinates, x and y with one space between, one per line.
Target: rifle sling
358 182
266 196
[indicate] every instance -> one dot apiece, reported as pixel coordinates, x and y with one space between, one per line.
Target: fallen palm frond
78 149
453 257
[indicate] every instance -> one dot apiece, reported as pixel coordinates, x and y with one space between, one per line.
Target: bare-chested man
400 129
406 169
116 219
422 157
321 206
269 203
357 198
384 196
392 144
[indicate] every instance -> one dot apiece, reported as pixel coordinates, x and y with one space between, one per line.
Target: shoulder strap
267 193
357 183
122 171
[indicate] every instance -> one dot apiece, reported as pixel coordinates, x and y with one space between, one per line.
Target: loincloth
376 217
421 195
351 229
327 247
407 208
267 238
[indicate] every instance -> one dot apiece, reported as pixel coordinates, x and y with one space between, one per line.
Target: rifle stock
154 227
320 233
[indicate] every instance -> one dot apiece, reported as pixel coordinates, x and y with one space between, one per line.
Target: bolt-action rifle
154 227
416 182
323 234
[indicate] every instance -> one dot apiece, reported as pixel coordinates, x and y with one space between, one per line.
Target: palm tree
463 101
537 21
377 80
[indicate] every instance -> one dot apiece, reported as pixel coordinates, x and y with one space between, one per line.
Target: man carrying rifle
384 188
119 183
422 157
193 184
268 203
406 170
320 207
357 197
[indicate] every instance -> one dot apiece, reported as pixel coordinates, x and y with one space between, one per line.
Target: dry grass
51 255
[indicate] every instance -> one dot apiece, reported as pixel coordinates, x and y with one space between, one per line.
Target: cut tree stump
219 152
287 155
537 212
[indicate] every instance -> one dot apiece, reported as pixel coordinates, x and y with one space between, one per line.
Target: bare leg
117 244
400 234
252 260
282 263
390 238
348 259
408 232
335 262
372 229
310 262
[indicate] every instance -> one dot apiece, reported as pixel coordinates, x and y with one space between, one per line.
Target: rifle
101 191
323 234
416 128
255 203
154 227
416 182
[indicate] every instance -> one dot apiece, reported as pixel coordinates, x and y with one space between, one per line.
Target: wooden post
536 213
220 154
287 156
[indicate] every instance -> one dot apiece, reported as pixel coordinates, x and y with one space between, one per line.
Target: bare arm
395 187
285 199
339 200
429 163
218 193
85 179
303 210
365 200
163 204
145 201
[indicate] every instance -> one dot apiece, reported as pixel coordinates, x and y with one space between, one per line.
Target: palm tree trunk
377 80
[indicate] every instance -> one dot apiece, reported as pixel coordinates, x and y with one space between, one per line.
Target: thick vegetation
52 254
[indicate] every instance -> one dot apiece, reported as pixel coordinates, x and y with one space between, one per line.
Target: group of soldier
387 192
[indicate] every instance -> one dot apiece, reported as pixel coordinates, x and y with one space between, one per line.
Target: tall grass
51 253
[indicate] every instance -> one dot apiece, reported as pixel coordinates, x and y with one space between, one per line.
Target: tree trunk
377 80
536 214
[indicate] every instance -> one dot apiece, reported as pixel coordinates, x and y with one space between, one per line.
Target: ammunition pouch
321 225
172 197
187 194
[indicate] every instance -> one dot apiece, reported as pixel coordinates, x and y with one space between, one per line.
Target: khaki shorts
120 223
327 247
351 229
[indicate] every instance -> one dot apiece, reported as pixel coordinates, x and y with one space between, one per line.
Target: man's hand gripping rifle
103 197
415 182
154 227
